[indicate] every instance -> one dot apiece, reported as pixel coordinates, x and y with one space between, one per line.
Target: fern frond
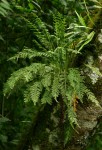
62 85
28 53
43 27
44 71
59 25
72 116
38 45
74 77
47 98
77 83
46 81
23 76
26 94
69 94
40 30
86 40
33 92
92 97
80 91
55 87
76 88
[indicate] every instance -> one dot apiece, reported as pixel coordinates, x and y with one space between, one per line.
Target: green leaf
88 39
5 6
31 6
80 19
36 4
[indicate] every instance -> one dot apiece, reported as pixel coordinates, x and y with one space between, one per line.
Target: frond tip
92 97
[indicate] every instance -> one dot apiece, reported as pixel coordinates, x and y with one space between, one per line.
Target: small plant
52 75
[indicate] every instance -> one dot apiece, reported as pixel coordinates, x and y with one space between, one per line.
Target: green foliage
3 127
55 74
46 51
4 8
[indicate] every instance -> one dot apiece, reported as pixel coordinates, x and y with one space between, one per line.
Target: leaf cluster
55 74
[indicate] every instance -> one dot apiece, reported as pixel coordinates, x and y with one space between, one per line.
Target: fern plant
55 75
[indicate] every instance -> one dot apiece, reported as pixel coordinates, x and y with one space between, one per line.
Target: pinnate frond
33 92
22 76
46 98
40 30
46 81
72 116
92 97
59 25
28 53
55 87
